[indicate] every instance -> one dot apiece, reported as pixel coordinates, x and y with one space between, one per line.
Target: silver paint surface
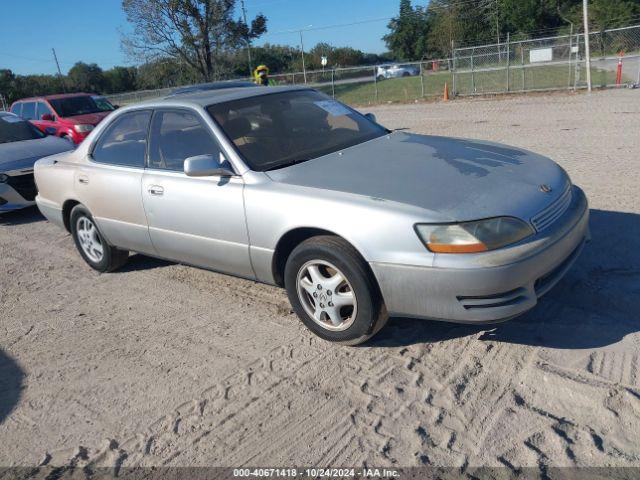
371 194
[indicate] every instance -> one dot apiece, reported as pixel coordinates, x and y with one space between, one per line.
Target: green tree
408 32
198 32
120 79
86 77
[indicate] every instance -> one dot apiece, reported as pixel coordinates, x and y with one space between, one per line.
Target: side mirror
371 117
47 117
207 166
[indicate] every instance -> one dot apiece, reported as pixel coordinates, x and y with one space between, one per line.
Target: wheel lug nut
331 304
328 292
319 287
322 305
315 294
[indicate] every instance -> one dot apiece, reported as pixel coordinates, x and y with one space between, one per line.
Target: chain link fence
549 63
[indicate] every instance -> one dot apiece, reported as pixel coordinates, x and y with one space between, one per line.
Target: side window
42 109
124 141
177 135
29 110
17 109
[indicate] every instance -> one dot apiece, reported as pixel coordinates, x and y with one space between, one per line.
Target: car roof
204 98
200 87
53 97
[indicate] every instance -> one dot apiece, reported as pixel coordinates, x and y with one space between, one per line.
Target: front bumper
11 200
490 286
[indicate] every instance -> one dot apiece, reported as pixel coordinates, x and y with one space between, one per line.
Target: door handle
156 190
83 180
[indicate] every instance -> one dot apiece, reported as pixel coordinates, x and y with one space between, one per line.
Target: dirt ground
162 364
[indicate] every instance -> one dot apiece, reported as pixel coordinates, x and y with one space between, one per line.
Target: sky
90 31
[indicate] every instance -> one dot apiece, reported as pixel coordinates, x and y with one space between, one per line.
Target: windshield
15 129
72 106
103 104
276 130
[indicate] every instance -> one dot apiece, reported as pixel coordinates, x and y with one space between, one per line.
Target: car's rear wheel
332 291
93 247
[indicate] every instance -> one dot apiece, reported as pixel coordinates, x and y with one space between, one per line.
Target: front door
110 184
199 221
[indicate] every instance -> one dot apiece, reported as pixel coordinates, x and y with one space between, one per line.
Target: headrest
237 127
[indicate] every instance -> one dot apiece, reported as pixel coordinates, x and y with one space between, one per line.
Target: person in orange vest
261 76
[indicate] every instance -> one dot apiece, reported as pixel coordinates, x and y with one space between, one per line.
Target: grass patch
409 89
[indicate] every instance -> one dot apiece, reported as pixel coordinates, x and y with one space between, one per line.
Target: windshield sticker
335 109
11 119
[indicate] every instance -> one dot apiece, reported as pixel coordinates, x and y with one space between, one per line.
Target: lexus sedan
286 186
21 144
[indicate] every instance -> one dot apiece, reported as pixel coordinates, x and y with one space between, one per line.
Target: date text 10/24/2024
317 472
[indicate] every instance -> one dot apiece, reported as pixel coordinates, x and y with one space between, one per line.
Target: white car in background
397 71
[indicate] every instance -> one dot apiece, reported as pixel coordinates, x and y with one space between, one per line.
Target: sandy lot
162 364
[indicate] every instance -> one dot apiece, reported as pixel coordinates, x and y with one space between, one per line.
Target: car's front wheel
93 247
332 291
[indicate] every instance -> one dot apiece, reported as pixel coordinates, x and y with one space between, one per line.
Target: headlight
3 178
477 236
83 128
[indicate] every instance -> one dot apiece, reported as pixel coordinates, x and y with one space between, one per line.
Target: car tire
332 256
92 245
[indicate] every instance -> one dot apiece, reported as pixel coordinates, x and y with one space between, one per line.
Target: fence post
524 84
421 79
473 76
333 83
454 92
375 84
508 64
570 56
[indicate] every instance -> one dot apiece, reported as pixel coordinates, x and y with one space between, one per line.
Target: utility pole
244 15
55 57
304 70
585 18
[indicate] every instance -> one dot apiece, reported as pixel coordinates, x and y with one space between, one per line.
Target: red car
71 115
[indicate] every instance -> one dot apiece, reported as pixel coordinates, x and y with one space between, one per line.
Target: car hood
455 179
22 155
88 118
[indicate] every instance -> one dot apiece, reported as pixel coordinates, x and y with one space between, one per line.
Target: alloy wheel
89 239
326 295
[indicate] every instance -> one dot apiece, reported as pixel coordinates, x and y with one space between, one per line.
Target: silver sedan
289 187
21 145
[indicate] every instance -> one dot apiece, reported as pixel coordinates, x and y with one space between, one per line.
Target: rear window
15 129
124 142
17 109
29 110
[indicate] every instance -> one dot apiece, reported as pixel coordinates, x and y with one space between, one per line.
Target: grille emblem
545 188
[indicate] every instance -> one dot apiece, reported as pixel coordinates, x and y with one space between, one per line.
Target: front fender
381 231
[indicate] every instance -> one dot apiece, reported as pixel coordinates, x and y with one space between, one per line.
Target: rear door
110 183
199 221
47 126
29 112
